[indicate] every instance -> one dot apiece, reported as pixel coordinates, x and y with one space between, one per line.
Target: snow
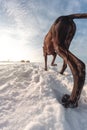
30 98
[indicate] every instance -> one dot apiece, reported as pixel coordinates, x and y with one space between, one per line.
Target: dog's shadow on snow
59 90
58 95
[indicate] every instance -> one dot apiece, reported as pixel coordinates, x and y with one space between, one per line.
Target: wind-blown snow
30 99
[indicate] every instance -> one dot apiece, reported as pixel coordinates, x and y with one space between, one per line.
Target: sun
11 48
14 46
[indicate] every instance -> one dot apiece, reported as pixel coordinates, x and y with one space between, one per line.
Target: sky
24 24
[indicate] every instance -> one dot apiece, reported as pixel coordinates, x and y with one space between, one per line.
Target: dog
57 42
48 48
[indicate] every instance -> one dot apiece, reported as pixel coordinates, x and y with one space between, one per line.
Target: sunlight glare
11 48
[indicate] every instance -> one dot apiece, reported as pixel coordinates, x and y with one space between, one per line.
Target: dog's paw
67 103
45 69
53 64
65 98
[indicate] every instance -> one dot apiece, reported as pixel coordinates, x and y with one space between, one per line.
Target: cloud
28 21
15 12
72 7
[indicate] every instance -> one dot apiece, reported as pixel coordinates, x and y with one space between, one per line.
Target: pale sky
24 23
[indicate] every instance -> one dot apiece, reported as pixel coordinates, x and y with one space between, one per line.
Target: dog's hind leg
69 37
78 70
64 67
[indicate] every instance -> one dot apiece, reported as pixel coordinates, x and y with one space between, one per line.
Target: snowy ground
30 99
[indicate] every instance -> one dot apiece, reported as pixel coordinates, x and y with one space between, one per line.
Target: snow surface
30 99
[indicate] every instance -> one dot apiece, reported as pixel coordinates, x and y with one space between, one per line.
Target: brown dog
48 48
57 41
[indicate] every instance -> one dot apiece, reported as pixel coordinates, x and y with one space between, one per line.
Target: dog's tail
78 16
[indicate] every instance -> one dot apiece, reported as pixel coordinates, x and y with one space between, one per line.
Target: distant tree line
25 61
